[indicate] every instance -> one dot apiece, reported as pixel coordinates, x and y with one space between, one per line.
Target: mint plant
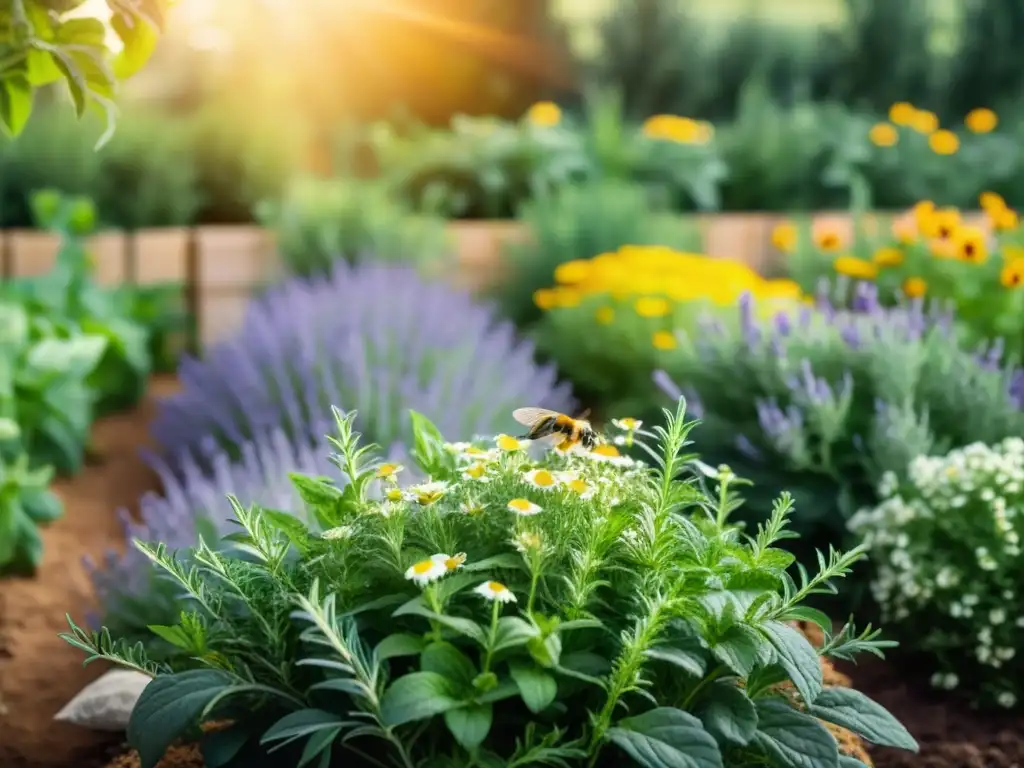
583 609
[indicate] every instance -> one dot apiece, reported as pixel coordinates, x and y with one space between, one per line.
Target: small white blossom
495 591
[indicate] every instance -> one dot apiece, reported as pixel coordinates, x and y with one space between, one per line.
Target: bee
544 423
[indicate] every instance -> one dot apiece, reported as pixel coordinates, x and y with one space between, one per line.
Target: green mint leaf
470 725
537 687
727 713
867 718
417 696
792 738
740 650
449 662
397 645
512 633
691 661
15 102
169 706
666 738
797 656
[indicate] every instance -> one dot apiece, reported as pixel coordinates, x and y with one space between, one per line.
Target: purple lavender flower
373 338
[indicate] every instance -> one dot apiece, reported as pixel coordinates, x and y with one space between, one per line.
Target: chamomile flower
495 591
427 571
527 541
509 444
523 507
426 494
457 447
610 454
394 494
472 507
577 486
455 562
389 472
543 479
476 471
627 424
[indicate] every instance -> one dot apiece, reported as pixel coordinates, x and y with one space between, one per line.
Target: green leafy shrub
579 222
581 610
26 503
318 222
825 401
946 543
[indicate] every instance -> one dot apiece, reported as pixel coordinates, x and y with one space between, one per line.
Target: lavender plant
946 541
584 610
825 401
375 338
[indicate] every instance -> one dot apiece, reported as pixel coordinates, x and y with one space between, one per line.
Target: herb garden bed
39 672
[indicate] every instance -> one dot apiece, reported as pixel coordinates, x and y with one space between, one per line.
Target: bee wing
530 416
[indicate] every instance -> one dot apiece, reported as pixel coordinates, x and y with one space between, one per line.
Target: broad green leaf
139 40
690 661
793 738
82 32
512 633
41 68
797 656
470 724
856 712
15 102
537 687
417 696
399 644
739 650
666 738
466 627
168 707
727 713
449 662
41 506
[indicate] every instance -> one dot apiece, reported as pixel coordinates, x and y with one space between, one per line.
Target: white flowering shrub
948 569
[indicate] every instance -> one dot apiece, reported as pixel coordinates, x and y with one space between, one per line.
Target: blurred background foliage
213 125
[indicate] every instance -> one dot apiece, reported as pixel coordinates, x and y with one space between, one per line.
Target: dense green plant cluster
824 402
946 544
581 609
317 222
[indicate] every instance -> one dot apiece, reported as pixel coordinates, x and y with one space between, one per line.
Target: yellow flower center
507 443
628 423
388 470
453 563
426 498
664 340
522 505
543 478
476 471
578 486
606 450
393 494
423 566
496 587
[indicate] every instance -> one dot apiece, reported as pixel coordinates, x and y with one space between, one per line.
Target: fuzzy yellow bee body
569 431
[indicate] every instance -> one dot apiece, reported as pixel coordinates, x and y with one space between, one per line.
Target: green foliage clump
319 222
824 401
579 222
580 610
946 541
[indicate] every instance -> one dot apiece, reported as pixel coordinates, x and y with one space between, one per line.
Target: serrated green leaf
793 738
666 738
797 656
856 712
739 650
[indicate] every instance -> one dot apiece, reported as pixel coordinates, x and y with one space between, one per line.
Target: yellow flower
888 257
924 121
914 287
1004 219
508 443
523 507
883 135
652 307
941 223
572 272
828 239
853 267
664 340
991 201
580 487
495 591
627 424
388 471
605 315
428 493
902 113
541 478
682 130
777 288
784 237
426 571
981 120
394 494
969 243
476 471
943 142
545 298
545 114
1012 275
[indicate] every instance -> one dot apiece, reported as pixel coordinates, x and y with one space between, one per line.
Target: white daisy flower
389 471
541 478
395 494
610 454
453 563
426 571
523 507
509 444
426 494
495 591
476 471
580 487
627 424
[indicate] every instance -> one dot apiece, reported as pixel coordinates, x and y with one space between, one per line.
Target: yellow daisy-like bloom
1012 275
394 494
941 223
455 562
541 478
924 121
580 487
914 287
605 315
902 113
427 571
883 135
428 493
970 245
545 298
856 268
888 257
664 340
627 424
1005 219
545 114
682 130
572 272
523 507
828 239
495 591
943 142
784 237
388 471
981 120
991 201
508 443
652 307
476 471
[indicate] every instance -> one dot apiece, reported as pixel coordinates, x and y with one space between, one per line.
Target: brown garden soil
39 672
